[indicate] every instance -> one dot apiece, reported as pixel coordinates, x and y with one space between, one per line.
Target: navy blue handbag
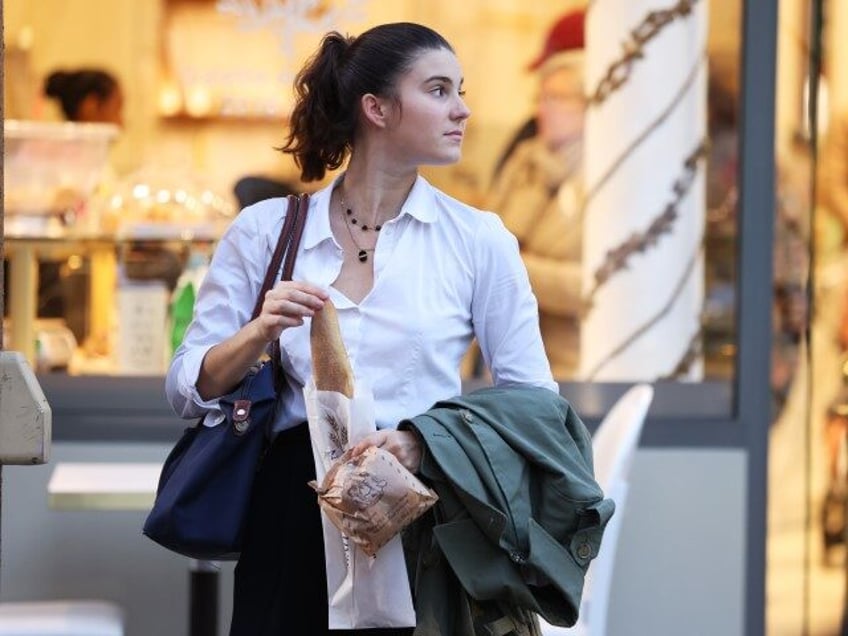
206 481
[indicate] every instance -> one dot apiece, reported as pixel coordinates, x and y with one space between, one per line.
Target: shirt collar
421 201
420 204
318 228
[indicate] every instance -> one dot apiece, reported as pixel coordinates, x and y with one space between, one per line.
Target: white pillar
646 75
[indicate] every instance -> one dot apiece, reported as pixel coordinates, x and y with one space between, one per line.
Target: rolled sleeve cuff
189 373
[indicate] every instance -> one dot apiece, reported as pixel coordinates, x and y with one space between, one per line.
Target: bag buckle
241 416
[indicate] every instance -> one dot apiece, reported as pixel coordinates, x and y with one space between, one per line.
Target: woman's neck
375 194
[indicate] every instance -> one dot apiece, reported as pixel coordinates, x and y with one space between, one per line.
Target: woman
415 276
87 95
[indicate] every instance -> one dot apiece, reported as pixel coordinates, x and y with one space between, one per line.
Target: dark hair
323 121
72 87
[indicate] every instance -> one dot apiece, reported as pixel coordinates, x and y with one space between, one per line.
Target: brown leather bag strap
294 241
288 244
289 231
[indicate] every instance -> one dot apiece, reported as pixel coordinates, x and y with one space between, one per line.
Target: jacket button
584 551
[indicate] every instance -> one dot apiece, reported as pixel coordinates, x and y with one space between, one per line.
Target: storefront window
615 165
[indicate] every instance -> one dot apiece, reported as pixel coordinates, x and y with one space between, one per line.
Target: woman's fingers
286 305
402 444
377 439
296 297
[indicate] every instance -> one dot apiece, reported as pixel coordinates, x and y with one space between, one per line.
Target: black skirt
281 580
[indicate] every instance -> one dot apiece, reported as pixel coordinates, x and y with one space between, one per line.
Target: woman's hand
402 444
286 305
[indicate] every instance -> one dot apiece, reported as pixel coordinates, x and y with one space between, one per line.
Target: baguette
331 368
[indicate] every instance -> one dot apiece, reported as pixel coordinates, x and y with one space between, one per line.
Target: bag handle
287 245
297 233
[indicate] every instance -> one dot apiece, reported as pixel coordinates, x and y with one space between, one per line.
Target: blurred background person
87 95
94 95
537 190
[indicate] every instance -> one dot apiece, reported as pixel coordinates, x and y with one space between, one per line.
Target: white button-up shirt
444 272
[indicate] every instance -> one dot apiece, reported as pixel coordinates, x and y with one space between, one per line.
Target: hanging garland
636 143
692 354
653 320
638 242
634 49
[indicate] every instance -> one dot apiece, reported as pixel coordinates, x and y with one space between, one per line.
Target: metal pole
754 264
203 598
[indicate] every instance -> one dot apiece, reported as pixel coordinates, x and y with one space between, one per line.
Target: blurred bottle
182 300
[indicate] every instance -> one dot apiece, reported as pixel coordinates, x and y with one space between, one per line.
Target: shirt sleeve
224 304
505 312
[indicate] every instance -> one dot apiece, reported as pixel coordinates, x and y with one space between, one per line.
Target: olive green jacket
519 518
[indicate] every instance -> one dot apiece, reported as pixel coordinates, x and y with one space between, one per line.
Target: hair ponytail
322 121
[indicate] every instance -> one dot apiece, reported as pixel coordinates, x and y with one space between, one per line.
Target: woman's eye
442 91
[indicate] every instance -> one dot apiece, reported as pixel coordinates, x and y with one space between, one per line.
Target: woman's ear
375 110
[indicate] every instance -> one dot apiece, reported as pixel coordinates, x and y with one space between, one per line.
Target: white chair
61 618
613 447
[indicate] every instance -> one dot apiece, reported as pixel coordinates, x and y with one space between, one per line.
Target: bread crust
331 368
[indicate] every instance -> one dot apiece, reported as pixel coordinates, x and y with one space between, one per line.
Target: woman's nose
461 111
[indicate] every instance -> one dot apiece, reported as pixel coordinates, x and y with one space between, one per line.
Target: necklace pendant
363 256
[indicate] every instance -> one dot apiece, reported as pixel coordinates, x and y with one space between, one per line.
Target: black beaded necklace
354 221
350 220
362 255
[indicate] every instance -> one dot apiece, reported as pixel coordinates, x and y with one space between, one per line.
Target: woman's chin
446 159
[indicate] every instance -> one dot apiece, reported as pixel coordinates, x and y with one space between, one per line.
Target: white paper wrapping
363 591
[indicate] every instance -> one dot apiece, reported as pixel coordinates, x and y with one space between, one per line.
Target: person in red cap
537 190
